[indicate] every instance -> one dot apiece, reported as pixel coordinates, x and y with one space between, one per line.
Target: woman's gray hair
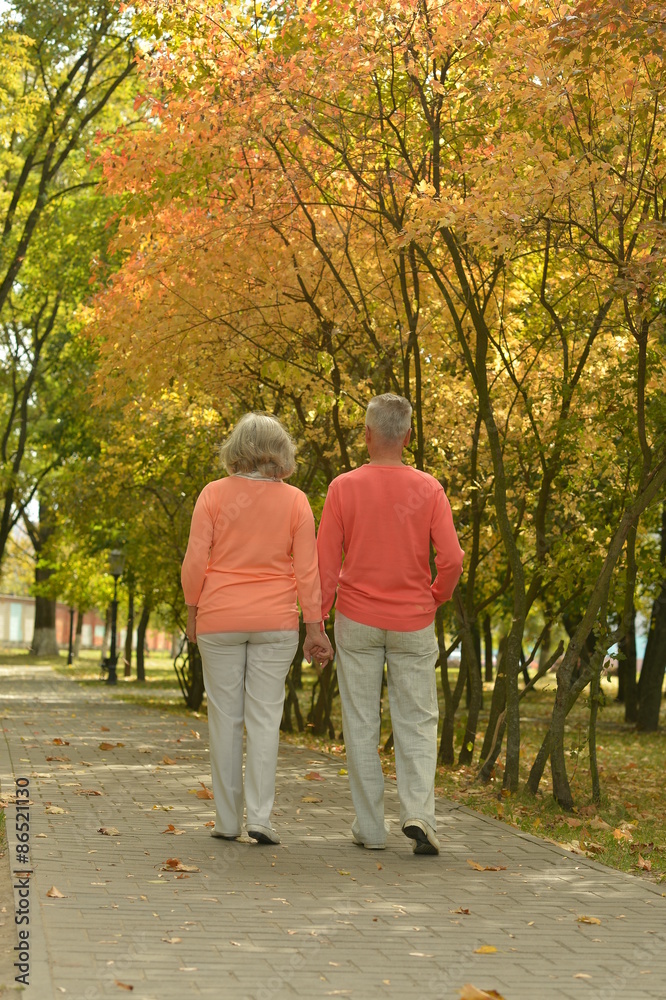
259 443
389 415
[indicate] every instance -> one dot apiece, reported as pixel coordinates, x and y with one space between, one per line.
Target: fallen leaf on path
582 975
341 871
109 831
111 746
176 865
588 920
343 770
172 940
172 829
469 992
310 798
168 760
123 986
211 822
203 792
485 868
88 791
60 743
58 758
485 949
421 954
104 729
54 810
461 909
54 893
314 776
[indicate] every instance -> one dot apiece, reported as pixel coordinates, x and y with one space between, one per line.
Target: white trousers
410 658
244 675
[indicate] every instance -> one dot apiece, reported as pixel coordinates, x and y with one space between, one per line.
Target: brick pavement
314 917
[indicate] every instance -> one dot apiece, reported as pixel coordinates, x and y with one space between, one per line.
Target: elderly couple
252 552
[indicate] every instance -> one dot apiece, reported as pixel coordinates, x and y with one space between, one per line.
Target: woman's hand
317 646
191 630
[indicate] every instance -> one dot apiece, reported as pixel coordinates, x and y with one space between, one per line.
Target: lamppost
116 567
71 637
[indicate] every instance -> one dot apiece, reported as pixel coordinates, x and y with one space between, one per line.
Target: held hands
317 646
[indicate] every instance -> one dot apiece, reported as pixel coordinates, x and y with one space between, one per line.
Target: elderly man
382 519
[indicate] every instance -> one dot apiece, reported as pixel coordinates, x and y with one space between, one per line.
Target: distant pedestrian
381 519
251 553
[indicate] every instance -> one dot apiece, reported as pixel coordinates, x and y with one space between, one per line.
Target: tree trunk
488 648
544 648
497 703
141 642
628 689
129 637
106 638
77 634
654 662
471 671
44 642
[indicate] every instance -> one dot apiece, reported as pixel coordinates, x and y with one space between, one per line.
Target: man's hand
191 630
317 646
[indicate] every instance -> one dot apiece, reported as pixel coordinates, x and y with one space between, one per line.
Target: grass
625 831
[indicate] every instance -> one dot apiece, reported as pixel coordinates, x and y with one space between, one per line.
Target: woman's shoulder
296 495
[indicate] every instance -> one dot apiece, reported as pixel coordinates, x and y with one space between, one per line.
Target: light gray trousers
244 675
410 658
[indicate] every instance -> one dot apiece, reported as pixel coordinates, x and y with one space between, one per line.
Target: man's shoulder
348 477
425 479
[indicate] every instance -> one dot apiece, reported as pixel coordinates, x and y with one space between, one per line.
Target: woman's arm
195 563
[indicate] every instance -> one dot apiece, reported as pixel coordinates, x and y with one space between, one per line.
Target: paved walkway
314 917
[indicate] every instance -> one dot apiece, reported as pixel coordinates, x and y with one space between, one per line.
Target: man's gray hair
259 443
389 415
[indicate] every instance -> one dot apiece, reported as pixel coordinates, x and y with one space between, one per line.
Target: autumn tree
462 202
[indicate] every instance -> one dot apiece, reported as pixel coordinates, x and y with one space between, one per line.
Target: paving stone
312 917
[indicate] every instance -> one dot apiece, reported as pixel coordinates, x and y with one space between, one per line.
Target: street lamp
116 567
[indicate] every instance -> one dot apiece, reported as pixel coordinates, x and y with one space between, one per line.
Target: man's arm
448 554
330 542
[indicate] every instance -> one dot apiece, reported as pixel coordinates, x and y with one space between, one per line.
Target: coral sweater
382 518
251 553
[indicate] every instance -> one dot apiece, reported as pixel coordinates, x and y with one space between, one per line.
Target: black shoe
422 843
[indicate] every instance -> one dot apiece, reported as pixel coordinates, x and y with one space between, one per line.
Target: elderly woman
251 553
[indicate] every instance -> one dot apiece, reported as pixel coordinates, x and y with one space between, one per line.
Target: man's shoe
425 841
263 835
224 836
